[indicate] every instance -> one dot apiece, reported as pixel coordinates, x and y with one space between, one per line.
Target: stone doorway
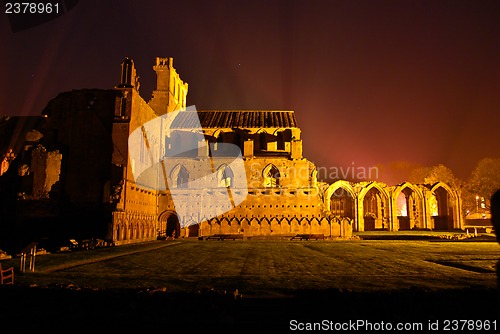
169 225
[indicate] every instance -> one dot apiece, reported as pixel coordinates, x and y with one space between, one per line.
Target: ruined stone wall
292 173
295 199
132 227
135 215
46 169
79 125
170 92
400 207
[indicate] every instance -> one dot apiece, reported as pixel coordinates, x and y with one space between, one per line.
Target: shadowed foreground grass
258 286
268 268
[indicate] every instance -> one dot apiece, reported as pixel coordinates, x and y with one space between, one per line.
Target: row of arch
180 176
349 207
126 231
335 227
130 227
376 206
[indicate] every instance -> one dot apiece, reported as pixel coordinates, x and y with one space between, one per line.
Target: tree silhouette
434 174
481 185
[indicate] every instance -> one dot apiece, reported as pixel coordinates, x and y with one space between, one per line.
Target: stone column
248 147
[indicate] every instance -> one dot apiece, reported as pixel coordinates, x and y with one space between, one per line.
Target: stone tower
170 93
128 75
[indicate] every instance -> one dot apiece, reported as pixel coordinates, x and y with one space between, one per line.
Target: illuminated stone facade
376 206
81 173
283 197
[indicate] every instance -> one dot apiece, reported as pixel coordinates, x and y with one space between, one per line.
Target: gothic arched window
179 177
225 176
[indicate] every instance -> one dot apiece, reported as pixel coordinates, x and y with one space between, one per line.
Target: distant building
75 176
479 220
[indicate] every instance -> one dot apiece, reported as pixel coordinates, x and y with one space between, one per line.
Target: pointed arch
315 225
284 220
305 225
325 226
373 185
446 213
294 225
179 176
275 133
119 230
345 185
445 186
205 218
225 176
271 175
284 225
218 134
204 228
245 226
234 225
215 226
254 226
265 226
274 226
225 227
125 231
340 199
169 224
408 206
411 186
374 208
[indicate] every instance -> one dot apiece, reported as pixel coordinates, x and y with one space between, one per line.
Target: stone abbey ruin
73 173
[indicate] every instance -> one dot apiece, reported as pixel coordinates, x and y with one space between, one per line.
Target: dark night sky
370 81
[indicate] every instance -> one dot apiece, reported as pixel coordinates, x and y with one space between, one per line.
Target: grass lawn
276 280
272 267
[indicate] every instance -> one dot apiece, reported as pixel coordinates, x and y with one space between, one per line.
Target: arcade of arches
348 207
375 206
